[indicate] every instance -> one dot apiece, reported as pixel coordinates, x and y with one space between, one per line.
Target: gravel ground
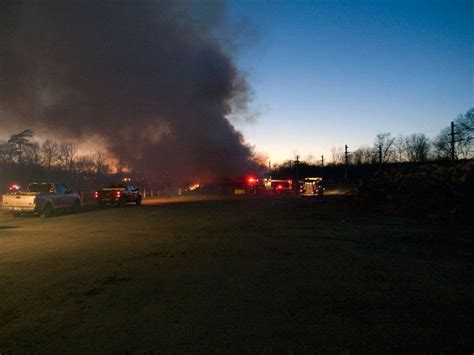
234 275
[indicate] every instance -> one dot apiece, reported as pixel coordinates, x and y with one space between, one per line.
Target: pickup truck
43 198
118 195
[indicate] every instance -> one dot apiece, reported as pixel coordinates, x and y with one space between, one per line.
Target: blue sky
331 73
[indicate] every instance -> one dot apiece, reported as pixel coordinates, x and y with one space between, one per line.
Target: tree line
451 142
21 149
456 142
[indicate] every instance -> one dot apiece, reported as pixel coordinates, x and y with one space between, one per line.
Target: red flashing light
96 194
290 182
251 180
279 187
14 187
118 193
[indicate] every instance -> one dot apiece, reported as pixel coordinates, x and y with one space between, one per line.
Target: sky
322 74
328 73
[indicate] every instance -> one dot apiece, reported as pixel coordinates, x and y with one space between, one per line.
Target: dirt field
238 275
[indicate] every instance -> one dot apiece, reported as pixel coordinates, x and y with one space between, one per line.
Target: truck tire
47 211
139 201
101 204
122 203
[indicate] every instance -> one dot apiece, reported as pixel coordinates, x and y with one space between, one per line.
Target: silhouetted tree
67 154
6 152
85 164
49 152
31 154
18 143
442 144
337 155
400 149
465 134
100 163
363 155
464 138
120 165
384 144
417 147
467 122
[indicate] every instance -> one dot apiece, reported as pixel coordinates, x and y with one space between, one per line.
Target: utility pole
297 172
453 141
346 161
380 154
322 166
453 153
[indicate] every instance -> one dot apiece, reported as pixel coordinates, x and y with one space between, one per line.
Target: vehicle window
60 189
41 188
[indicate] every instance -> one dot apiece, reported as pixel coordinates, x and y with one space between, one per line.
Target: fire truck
268 186
279 186
311 186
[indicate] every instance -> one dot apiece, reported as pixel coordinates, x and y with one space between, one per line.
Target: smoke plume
149 79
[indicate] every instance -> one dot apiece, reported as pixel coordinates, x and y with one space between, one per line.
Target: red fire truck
311 186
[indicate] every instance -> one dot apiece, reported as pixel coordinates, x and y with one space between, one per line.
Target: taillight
96 194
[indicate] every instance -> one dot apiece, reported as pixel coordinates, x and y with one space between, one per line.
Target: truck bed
19 202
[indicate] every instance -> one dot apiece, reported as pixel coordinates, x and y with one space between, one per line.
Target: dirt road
264 275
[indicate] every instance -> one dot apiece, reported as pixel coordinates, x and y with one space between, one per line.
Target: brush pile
431 191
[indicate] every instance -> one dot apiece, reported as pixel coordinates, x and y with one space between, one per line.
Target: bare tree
100 163
400 149
7 152
337 155
442 144
417 147
31 154
465 134
467 121
463 138
50 152
67 153
363 155
384 144
85 164
120 165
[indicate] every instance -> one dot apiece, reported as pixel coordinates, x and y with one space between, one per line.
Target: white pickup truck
42 198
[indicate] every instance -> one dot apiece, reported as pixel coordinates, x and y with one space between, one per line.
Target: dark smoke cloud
147 77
